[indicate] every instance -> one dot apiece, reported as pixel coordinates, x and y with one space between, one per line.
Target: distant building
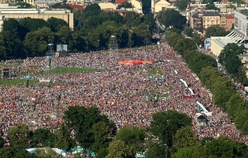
196 21
107 6
239 35
227 21
20 13
162 5
210 19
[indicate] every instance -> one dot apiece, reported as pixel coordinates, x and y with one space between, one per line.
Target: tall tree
190 152
164 125
36 42
42 138
19 136
215 30
117 149
225 147
184 137
81 120
56 24
15 153
182 4
133 137
158 150
172 18
146 6
64 140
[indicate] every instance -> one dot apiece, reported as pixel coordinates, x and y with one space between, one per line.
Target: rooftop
245 12
211 14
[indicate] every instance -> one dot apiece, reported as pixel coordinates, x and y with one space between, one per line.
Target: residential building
161 6
137 6
229 22
196 22
210 19
107 6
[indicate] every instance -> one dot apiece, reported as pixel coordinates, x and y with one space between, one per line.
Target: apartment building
210 19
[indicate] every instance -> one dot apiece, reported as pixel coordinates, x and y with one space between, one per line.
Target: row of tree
223 89
93 30
170 135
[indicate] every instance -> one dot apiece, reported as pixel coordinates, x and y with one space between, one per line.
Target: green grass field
64 70
155 71
16 82
59 70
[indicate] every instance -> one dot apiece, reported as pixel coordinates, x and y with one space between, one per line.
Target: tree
64 140
197 61
12 26
235 104
125 5
158 150
215 30
164 125
61 5
133 137
15 153
33 24
241 119
184 137
117 149
42 138
64 35
81 120
19 136
146 6
225 147
211 6
56 24
132 19
36 42
182 4
188 31
148 20
172 18
101 132
229 58
45 153
190 152
92 10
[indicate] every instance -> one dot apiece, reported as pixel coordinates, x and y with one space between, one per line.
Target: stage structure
50 63
5 72
113 45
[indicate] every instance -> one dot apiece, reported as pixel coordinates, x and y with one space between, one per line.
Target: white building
238 35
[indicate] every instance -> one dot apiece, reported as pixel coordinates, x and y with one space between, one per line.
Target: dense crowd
128 95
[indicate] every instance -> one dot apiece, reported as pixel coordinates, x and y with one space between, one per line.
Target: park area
128 94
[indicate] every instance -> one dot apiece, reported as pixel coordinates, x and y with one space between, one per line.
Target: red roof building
77 7
120 1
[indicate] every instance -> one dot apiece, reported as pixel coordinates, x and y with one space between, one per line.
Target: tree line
28 37
221 86
170 135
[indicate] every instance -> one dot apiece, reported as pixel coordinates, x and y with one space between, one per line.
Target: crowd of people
127 94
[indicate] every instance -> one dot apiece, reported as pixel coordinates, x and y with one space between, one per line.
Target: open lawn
59 70
155 71
64 70
9 82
